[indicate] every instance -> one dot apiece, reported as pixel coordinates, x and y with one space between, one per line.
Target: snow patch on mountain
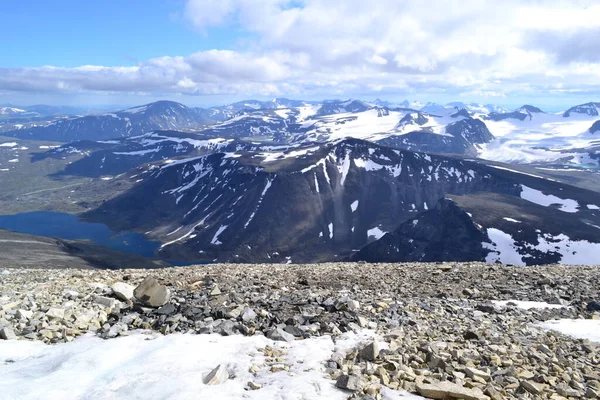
538 197
506 250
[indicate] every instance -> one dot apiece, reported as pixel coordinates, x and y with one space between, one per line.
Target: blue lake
67 226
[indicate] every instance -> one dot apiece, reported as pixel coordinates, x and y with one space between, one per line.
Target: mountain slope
591 109
130 122
310 204
445 233
494 227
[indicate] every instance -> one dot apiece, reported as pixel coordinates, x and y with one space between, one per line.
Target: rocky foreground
440 334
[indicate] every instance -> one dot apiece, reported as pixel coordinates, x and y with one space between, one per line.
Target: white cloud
472 47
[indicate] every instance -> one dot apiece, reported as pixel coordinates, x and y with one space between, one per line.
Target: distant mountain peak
529 108
592 109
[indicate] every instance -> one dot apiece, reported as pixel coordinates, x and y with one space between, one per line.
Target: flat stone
56 313
122 291
166 309
151 293
280 335
217 376
24 314
105 301
448 390
533 387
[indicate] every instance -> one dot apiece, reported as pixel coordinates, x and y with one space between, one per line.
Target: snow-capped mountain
11 111
477 108
223 113
314 203
591 109
107 158
528 135
129 122
462 136
341 107
432 108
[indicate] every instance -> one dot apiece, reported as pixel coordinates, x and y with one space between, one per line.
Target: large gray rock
370 352
216 376
151 293
7 334
122 291
280 335
105 301
350 382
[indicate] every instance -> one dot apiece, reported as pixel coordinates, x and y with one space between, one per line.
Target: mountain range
296 181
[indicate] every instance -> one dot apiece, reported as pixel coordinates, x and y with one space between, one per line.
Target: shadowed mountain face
305 205
461 137
116 156
445 233
492 227
595 127
124 123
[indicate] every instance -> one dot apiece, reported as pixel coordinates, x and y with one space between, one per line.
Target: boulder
151 293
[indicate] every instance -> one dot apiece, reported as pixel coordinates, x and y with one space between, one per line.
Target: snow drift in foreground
577 328
144 366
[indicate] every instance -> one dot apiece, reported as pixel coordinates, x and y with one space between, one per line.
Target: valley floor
440 330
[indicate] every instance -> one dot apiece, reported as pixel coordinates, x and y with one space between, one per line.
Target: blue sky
206 52
70 33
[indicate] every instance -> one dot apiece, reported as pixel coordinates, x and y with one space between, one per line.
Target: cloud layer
470 48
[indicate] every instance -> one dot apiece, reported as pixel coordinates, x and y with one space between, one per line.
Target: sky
209 52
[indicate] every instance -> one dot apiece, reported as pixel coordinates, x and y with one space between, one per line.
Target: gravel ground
440 334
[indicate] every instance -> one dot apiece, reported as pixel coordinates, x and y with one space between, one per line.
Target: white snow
507 251
354 205
215 239
267 186
593 207
344 168
503 248
527 305
14 160
511 220
135 110
171 367
537 197
577 328
330 226
9 144
376 232
544 137
137 153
